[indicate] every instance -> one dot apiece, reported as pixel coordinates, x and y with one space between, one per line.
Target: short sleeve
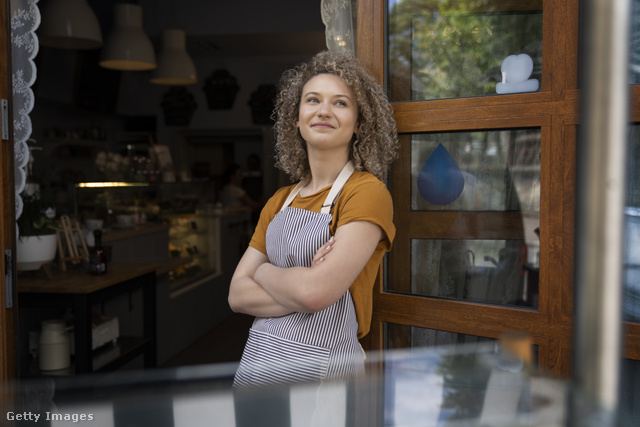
367 200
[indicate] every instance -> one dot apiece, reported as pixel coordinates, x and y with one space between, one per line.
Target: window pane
404 336
496 175
630 390
485 271
634 45
452 49
452 385
449 385
631 300
476 171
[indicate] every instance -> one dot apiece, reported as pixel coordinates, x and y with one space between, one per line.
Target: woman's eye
312 100
342 103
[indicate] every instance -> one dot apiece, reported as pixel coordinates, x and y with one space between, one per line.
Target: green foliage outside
449 49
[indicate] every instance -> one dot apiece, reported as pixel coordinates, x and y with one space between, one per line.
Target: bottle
97 256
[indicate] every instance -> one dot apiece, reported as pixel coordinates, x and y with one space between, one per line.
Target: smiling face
328 115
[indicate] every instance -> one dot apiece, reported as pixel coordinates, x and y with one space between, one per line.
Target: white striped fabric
301 346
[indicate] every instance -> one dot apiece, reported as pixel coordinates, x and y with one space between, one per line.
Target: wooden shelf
80 291
115 233
114 356
76 142
106 358
77 281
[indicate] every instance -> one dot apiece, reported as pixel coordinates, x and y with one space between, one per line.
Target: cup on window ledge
124 220
94 224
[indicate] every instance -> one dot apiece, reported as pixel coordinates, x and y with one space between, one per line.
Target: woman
233 195
309 271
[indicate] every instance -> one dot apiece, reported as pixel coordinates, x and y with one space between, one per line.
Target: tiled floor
222 344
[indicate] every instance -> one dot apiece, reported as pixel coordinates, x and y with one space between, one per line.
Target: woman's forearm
248 297
312 289
296 288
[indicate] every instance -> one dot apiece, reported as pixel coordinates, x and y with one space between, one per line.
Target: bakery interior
144 163
170 145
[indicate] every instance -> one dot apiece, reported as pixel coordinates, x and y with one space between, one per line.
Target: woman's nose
325 109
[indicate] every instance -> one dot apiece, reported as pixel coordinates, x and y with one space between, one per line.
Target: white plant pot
33 251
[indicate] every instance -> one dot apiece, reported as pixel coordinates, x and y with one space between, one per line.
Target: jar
54 346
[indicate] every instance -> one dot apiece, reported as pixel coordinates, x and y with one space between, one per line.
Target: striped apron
302 346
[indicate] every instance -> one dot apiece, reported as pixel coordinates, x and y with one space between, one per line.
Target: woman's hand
246 295
309 290
321 252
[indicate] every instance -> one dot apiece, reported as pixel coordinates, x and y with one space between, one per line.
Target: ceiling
264 44
216 28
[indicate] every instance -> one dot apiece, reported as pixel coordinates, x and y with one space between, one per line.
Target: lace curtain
25 19
339 19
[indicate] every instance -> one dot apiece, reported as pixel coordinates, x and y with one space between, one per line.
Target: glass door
484 188
485 98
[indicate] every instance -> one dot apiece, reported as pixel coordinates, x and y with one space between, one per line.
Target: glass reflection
485 271
399 336
501 169
449 387
458 385
630 387
634 44
631 269
500 172
451 49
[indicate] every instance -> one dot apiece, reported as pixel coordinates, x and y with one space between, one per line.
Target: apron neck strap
342 178
336 188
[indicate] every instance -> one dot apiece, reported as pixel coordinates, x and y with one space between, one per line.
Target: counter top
77 281
229 211
115 233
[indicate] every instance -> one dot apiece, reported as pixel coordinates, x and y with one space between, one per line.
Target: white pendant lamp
69 24
175 66
128 47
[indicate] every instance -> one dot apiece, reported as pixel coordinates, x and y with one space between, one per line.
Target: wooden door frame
8 316
555 110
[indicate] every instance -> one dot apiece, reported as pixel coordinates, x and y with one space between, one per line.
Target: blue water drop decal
440 181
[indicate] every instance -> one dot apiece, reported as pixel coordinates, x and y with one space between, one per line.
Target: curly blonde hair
375 144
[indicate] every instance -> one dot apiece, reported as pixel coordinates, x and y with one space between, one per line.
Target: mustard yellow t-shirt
363 198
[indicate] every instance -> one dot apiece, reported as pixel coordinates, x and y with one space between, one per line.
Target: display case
129 210
143 200
195 239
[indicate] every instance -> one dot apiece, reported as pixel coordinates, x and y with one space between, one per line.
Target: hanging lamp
69 24
175 66
128 48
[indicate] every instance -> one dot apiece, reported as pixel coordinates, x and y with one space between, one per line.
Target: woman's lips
322 125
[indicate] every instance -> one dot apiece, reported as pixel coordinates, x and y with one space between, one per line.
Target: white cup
54 351
94 224
125 220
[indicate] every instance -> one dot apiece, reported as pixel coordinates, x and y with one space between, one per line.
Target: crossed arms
261 289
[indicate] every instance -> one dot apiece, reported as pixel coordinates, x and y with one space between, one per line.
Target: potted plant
37 238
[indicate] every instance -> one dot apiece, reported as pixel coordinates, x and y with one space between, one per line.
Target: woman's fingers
321 252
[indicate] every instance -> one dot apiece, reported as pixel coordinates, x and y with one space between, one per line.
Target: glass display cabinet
194 238
131 210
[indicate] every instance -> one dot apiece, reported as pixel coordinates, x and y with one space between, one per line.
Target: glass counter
193 251
463 385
